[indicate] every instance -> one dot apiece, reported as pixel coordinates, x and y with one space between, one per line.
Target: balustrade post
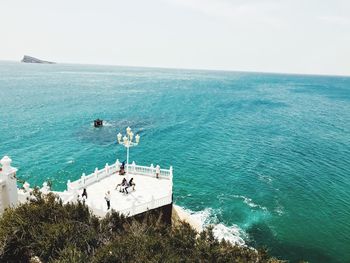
9 195
133 166
69 187
83 179
107 169
171 174
152 169
157 171
117 165
96 174
26 186
45 188
171 195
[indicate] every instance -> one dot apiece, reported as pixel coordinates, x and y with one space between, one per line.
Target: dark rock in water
28 59
107 136
98 123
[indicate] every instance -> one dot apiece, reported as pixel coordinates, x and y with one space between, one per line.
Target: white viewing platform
150 192
153 186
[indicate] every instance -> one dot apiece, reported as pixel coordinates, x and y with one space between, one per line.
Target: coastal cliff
29 59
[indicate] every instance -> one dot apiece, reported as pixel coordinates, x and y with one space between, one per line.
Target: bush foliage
44 229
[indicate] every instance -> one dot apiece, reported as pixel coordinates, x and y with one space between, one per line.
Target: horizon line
194 69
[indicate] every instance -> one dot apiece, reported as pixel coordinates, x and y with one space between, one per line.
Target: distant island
29 59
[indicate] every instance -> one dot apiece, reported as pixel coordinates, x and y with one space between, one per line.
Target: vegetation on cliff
46 229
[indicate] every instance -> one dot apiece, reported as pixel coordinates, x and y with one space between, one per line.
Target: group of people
124 185
123 188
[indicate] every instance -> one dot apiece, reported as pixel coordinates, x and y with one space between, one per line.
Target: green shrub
45 228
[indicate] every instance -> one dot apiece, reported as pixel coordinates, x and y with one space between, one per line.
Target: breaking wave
208 216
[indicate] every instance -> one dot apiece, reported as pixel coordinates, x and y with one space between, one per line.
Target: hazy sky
299 36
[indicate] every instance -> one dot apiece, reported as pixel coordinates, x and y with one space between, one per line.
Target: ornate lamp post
127 142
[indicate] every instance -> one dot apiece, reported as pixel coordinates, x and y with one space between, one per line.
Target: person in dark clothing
122 168
132 184
84 193
125 188
123 183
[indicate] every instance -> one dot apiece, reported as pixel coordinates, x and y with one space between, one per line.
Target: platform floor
145 188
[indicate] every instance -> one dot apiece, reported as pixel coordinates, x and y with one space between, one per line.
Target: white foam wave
250 202
208 217
201 217
107 124
232 234
279 211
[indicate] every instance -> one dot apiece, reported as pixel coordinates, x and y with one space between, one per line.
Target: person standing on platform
84 194
108 199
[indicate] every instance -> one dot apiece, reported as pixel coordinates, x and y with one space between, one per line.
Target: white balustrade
141 208
109 170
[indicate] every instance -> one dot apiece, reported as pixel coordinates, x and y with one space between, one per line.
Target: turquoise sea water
267 153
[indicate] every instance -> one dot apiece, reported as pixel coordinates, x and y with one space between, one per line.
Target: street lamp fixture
128 142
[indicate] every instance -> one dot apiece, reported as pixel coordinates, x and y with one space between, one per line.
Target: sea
264 158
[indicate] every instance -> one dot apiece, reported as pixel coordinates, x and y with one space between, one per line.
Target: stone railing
150 171
141 208
135 209
108 170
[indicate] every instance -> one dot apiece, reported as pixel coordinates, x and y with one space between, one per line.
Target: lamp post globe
119 136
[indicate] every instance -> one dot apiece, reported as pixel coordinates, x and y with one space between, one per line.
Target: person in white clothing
108 199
